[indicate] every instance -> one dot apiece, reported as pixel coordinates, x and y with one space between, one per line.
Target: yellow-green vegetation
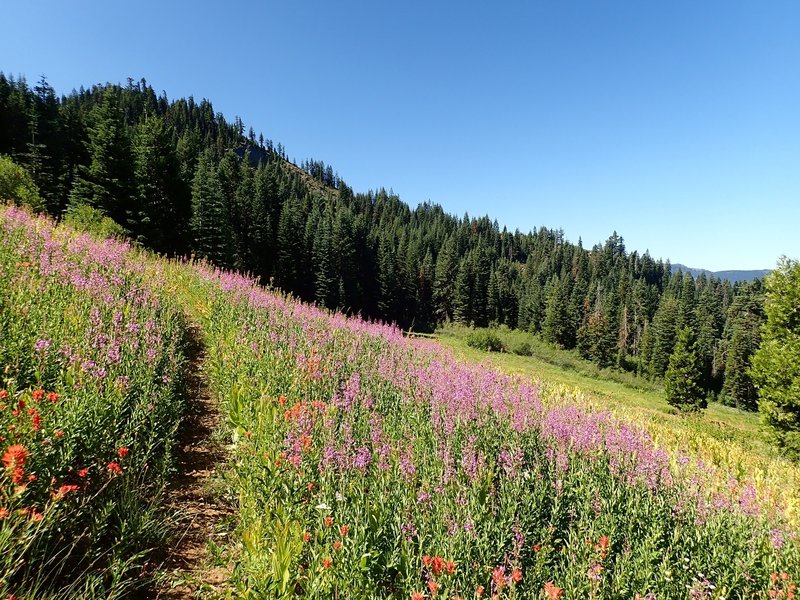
725 437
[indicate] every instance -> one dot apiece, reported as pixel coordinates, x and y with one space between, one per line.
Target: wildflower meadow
362 463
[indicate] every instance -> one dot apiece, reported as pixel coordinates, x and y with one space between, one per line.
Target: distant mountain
732 276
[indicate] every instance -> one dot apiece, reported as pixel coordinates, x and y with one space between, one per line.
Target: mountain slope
733 276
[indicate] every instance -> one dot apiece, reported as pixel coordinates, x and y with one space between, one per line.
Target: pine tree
444 282
776 364
463 294
557 326
663 332
105 183
682 379
210 225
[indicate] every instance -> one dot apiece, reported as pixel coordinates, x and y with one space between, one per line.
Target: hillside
336 431
173 177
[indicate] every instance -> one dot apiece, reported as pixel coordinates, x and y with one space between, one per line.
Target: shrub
523 349
488 341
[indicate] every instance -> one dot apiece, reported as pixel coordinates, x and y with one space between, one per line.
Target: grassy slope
723 436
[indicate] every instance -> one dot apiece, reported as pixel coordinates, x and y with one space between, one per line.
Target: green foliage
92 220
682 379
17 185
522 349
776 364
486 340
210 218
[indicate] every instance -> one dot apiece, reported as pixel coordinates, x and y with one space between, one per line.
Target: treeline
179 178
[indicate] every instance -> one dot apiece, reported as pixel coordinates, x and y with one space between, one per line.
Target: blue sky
677 124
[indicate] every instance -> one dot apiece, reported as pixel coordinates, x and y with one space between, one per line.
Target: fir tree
776 364
682 379
210 225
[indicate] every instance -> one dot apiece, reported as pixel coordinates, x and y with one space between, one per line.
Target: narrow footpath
190 570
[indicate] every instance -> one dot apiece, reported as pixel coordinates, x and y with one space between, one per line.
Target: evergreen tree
444 282
556 327
682 379
776 364
160 212
664 332
105 183
210 225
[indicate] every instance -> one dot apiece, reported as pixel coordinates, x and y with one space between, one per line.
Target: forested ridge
179 179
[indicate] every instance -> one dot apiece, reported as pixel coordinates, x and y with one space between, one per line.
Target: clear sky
677 123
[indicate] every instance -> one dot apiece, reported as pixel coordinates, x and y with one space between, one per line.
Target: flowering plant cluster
90 387
455 480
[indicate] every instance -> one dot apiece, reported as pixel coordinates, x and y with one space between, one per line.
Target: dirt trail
187 564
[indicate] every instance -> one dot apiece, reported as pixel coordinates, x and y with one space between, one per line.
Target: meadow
371 465
363 463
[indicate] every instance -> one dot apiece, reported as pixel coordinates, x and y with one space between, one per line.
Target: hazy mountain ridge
732 275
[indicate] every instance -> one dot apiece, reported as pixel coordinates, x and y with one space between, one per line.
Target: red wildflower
326 563
426 560
450 567
344 530
310 485
15 456
248 434
306 536
3 394
328 521
536 547
553 591
17 475
437 565
37 395
83 472
433 587
3 512
499 577
53 397
58 433
33 514
417 596
602 546
337 545
516 575
36 420
479 591
31 477
64 490
122 452
114 468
